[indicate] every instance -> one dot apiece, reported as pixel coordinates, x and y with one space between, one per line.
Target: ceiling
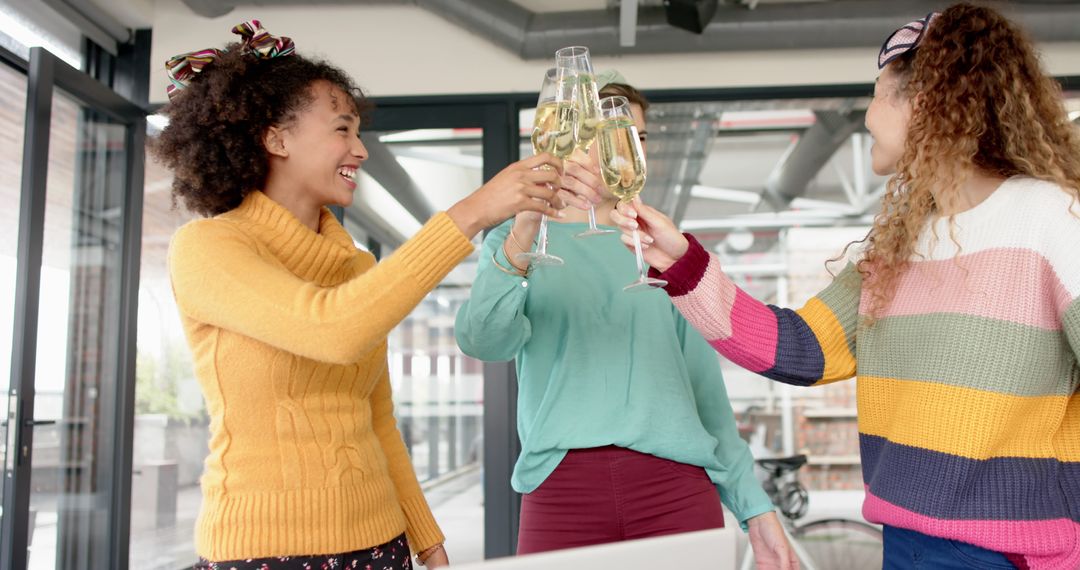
533 29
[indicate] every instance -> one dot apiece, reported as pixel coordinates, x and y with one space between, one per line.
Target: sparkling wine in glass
554 131
622 166
577 58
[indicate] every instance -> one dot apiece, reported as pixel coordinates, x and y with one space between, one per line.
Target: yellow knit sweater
288 329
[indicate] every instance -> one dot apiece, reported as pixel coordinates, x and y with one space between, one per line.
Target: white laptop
708 549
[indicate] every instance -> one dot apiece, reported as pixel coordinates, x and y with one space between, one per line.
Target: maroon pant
608 494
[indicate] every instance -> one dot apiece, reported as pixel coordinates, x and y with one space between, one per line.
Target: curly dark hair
214 140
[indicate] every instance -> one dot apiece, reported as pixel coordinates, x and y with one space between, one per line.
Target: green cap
608 76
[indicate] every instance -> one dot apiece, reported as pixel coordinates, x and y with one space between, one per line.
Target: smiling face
887 119
319 151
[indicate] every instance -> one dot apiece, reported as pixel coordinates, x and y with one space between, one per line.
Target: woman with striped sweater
961 319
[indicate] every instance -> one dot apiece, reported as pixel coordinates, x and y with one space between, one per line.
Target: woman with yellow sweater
288 320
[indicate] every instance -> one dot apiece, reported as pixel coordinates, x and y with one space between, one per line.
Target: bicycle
827 544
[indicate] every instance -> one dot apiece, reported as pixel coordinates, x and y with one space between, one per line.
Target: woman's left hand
437 559
772 551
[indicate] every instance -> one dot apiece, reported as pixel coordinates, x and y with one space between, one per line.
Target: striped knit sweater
969 409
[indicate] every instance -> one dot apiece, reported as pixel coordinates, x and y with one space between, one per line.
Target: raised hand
581 182
661 242
521 187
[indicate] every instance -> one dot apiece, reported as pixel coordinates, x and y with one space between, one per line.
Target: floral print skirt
393 555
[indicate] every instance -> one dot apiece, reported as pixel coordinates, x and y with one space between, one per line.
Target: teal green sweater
598 366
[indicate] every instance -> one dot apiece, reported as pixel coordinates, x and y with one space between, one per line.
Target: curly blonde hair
980 102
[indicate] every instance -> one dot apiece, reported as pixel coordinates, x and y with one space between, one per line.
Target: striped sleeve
1067 438
813 345
1067 271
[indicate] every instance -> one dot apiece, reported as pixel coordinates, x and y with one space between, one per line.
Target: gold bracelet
515 272
523 272
422 557
516 242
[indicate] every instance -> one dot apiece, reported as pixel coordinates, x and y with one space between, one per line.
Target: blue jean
907 549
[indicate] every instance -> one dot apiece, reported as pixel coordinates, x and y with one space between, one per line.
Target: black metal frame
408 104
12 59
131 80
46 74
14 531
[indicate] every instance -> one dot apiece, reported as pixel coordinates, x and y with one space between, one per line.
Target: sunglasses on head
904 39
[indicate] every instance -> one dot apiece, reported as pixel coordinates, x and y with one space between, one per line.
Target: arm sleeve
492 324
812 345
1067 438
739 488
421 529
221 278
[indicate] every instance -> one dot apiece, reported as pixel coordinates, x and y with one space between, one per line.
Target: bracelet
515 271
523 272
516 242
422 557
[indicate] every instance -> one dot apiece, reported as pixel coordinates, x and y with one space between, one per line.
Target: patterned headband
904 40
257 41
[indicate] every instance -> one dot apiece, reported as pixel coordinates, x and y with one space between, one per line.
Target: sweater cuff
745 516
421 529
436 249
684 275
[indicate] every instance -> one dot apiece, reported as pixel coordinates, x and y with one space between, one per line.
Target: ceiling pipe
801 164
812 25
383 166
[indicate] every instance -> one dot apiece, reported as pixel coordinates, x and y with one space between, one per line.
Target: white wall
405 50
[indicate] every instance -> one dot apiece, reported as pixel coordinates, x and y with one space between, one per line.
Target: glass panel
171 424
438 391
774 247
438 398
78 339
12 117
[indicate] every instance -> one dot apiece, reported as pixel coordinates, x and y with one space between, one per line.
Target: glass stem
592 217
542 237
640 257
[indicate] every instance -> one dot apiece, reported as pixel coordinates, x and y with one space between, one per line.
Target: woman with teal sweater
625 425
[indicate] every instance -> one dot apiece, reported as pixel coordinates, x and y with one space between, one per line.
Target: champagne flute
553 131
622 166
577 58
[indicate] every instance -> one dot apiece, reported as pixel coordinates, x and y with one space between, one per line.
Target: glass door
438 391
67 482
12 115
457 414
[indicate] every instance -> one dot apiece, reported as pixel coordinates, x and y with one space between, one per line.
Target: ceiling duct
792 176
801 25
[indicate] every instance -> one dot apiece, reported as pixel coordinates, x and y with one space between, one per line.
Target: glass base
645 284
539 259
593 232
